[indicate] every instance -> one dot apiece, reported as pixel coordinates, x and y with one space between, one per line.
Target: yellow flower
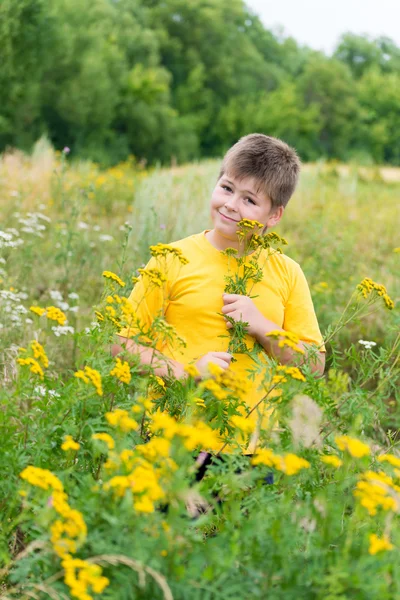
121 419
34 366
121 371
144 504
391 459
113 277
37 310
192 371
332 459
155 276
379 544
287 338
91 376
355 447
368 287
377 490
55 314
292 464
265 456
160 382
104 437
39 353
245 425
41 478
164 250
69 444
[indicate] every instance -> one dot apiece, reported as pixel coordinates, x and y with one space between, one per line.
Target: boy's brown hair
273 164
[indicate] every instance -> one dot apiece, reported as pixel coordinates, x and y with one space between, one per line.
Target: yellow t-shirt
191 299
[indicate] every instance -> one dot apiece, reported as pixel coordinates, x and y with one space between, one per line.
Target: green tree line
176 80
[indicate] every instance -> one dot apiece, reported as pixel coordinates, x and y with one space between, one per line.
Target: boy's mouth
228 218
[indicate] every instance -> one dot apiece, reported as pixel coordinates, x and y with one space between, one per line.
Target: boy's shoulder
283 261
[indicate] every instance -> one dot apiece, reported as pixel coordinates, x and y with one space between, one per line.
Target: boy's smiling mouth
229 218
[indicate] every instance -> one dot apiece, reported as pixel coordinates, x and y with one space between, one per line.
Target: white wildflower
62 330
367 344
73 296
105 238
55 295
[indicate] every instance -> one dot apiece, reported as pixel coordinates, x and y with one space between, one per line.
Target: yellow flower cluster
55 314
198 434
106 438
224 383
52 312
282 370
245 425
69 444
367 286
377 544
377 490
248 224
155 276
39 353
391 459
120 418
332 459
355 447
91 376
67 532
290 464
113 277
37 310
289 339
34 365
167 332
80 574
40 356
165 250
121 371
127 315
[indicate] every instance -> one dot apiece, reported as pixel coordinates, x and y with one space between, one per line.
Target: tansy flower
391 459
42 478
69 444
193 371
331 459
121 419
55 314
245 425
113 277
91 376
155 276
289 339
121 371
37 310
104 437
292 464
39 353
355 447
33 364
377 544
164 250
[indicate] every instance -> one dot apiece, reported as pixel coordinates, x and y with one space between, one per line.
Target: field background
342 226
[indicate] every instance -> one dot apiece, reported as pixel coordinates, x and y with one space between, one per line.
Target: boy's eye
226 187
250 200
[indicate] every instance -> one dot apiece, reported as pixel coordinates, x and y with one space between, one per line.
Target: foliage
176 81
99 496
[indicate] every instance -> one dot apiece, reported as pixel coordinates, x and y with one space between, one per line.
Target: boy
257 178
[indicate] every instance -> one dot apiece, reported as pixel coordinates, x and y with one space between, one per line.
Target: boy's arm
286 355
162 365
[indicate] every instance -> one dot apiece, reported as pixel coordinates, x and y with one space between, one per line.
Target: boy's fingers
229 298
223 355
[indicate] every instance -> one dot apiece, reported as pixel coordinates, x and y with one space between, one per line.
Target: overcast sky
319 23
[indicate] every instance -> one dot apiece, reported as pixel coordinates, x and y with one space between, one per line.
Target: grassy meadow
72 528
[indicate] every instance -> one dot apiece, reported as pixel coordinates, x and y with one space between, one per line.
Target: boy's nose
231 202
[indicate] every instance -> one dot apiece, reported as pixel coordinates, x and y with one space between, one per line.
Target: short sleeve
300 317
148 299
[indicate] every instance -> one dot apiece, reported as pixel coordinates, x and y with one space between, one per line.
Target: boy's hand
222 359
242 308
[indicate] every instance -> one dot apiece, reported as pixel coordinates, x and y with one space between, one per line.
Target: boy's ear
275 216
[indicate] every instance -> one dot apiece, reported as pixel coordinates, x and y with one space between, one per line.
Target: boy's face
232 201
